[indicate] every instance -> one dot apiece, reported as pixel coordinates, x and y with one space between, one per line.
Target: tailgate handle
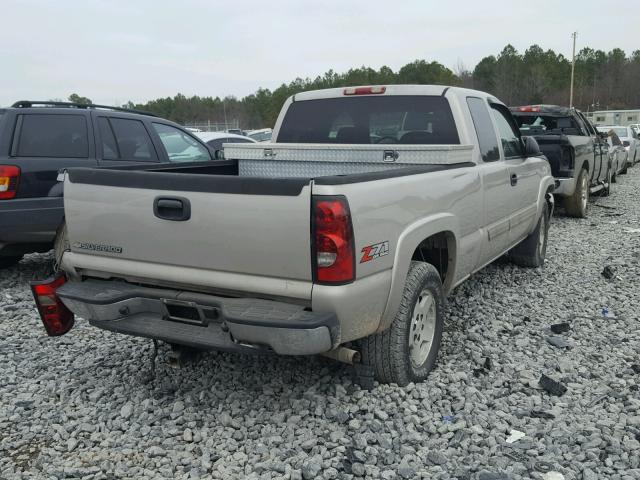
176 209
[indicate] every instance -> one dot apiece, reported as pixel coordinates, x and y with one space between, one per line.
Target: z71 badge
376 250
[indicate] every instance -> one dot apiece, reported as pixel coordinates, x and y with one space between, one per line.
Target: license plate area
189 312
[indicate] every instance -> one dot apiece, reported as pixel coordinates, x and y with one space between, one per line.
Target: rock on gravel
81 406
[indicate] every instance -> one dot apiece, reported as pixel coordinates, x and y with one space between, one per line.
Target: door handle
175 209
514 179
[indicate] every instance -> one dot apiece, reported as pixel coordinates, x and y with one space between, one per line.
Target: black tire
532 251
60 245
390 352
577 204
6 262
606 191
625 169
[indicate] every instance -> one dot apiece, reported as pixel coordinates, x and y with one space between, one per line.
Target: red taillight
56 317
333 251
364 90
9 176
529 108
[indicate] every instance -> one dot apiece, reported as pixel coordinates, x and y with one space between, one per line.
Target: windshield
536 124
411 120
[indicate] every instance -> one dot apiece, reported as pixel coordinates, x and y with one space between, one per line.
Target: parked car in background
262 135
37 139
630 139
618 154
343 245
215 140
577 153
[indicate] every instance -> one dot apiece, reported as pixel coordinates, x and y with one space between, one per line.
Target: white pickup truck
342 237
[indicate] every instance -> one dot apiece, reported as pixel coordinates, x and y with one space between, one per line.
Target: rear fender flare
408 241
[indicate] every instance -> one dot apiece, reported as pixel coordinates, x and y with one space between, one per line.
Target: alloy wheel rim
423 327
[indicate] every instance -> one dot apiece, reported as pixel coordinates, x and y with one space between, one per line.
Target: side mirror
531 147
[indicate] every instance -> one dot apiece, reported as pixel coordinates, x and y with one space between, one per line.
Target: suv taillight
9 176
56 317
333 252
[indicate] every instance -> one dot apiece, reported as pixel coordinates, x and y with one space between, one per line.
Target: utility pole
573 67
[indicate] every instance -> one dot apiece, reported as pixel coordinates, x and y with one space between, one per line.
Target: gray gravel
81 406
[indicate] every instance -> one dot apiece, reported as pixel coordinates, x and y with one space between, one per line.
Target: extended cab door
496 184
524 176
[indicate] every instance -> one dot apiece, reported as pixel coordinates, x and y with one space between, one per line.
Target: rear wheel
576 205
6 262
532 251
407 350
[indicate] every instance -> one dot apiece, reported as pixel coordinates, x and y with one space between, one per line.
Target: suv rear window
403 119
51 135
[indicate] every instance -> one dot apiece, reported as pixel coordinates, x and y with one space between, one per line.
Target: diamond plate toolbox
313 160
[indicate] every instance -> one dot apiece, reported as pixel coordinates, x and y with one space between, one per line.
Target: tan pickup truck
342 235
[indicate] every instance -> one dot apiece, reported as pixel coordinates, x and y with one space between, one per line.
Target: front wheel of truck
532 251
407 350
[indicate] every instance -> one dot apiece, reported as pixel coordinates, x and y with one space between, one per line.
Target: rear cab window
540 124
51 135
393 119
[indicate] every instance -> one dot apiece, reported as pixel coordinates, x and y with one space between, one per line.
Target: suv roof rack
47 103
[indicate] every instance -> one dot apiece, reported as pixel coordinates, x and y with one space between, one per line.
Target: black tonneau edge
189 182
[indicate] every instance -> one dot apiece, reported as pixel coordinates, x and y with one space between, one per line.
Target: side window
487 139
180 146
59 136
511 143
216 144
589 127
109 145
132 141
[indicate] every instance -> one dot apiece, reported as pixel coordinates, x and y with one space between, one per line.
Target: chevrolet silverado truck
341 237
578 155
39 138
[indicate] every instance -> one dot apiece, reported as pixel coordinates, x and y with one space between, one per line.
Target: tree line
603 80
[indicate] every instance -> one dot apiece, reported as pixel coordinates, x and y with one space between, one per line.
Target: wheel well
439 250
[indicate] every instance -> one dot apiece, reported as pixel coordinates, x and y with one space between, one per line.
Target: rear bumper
201 320
29 224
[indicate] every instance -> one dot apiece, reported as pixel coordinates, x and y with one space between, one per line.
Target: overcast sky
114 51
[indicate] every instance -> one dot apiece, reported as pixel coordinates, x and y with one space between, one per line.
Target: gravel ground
81 406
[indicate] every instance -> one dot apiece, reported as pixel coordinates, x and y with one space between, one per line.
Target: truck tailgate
256 227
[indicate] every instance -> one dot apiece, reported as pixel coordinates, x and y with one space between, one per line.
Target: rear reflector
333 250
529 108
364 90
56 317
9 176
